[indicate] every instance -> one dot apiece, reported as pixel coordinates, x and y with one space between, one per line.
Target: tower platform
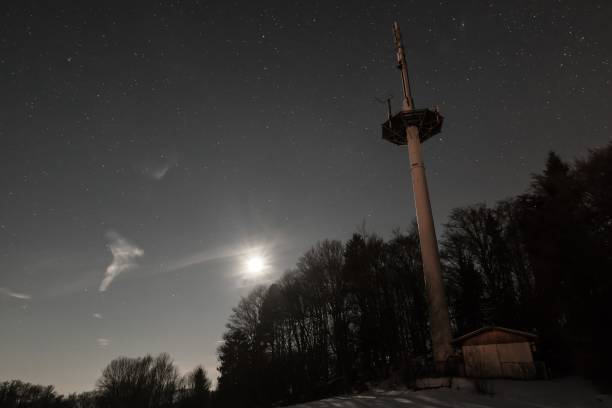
427 121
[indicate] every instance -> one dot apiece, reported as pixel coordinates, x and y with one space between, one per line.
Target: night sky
149 150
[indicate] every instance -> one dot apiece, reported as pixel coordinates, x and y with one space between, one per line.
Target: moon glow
255 265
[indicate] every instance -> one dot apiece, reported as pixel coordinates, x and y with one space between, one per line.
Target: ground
570 392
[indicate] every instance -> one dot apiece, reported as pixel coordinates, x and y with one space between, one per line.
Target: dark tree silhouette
82 400
147 382
196 391
18 394
488 275
346 314
568 231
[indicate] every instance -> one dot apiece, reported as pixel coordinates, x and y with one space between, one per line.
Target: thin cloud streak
206 256
124 254
15 295
268 248
103 342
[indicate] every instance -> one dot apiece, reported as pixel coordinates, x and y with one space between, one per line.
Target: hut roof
485 329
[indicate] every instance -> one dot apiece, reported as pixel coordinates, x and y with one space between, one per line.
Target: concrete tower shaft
412 127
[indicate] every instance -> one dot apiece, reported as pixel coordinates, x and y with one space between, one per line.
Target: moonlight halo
255 265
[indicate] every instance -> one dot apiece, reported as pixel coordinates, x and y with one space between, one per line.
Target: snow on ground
569 392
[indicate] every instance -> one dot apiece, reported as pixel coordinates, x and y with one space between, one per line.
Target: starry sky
148 150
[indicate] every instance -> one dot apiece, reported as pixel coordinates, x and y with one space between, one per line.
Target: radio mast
412 127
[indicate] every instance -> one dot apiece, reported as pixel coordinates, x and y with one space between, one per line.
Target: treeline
355 312
345 314
146 382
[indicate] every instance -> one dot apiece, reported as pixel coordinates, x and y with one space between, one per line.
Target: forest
354 313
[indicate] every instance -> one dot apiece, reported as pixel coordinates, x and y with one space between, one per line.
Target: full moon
255 265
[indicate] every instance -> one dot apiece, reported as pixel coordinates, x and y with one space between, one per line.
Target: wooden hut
498 352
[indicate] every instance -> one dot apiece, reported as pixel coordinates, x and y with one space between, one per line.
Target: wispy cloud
97 316
124 254
16 295
103 342
160 167
160 172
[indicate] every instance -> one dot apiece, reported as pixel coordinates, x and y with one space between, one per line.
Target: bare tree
147 382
